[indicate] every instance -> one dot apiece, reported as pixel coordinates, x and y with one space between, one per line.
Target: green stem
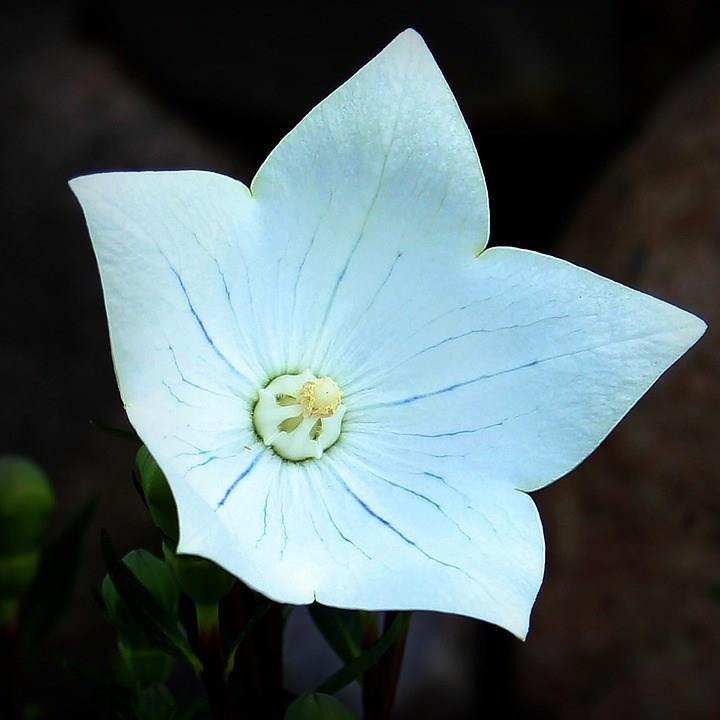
380 684
213 658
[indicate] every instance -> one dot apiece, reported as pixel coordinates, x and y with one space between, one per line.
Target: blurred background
598 126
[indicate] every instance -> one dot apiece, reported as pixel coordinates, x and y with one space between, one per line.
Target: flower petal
515 370
382 177
187 343
174 250
356 533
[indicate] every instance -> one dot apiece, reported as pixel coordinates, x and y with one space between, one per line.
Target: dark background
598 126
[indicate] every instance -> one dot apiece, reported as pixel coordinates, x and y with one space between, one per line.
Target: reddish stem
380 684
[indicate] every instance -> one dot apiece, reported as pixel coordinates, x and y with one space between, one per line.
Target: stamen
299 416
320 398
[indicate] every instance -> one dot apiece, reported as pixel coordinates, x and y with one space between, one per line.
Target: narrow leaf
251 623
341 628
50 591
112 430
145 609
357 667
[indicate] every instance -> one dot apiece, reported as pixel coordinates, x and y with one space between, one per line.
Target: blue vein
371 207
200 323
240 477
298 275
339 531
480 331
392 528
417 494
441 479
225 286
451 433
375 296
265 517
456 386
207 461
281 491
532 363
176 396
190 382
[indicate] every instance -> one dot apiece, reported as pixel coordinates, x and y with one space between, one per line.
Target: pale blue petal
379 184
514 371
188 347
378 533
466 378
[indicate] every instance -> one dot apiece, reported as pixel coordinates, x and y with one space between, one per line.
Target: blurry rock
71 111
625 625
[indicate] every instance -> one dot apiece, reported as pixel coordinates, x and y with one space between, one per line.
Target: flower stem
381 681
213 657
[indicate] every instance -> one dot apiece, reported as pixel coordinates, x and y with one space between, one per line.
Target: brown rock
625 625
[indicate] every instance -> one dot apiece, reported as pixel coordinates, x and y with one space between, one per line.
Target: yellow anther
299 416
320 398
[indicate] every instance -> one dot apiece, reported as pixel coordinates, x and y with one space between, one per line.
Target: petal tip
410 36
76 184
409 42
699 327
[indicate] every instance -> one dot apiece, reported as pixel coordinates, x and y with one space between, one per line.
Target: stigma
299 416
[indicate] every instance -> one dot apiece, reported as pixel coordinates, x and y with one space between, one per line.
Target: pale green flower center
299 416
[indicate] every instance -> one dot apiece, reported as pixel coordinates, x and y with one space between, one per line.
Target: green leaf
49 594
341 628
144 666
200 579
255 618
158 496
145 609
357 667
317 706
111 430
156 703
156 577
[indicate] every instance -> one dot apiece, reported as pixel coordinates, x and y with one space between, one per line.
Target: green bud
158 495
17 572
26 502
317 706
202 580
157 578
145 665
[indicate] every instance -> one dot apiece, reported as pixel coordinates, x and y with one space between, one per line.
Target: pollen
299 416
320 398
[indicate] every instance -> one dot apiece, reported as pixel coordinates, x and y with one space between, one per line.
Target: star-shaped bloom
350 396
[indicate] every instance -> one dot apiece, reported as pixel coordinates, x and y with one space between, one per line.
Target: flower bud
26 502
17 571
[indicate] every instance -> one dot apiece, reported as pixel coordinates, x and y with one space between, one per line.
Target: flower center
299 416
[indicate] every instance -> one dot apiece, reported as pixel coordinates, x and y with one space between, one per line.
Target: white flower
466 376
